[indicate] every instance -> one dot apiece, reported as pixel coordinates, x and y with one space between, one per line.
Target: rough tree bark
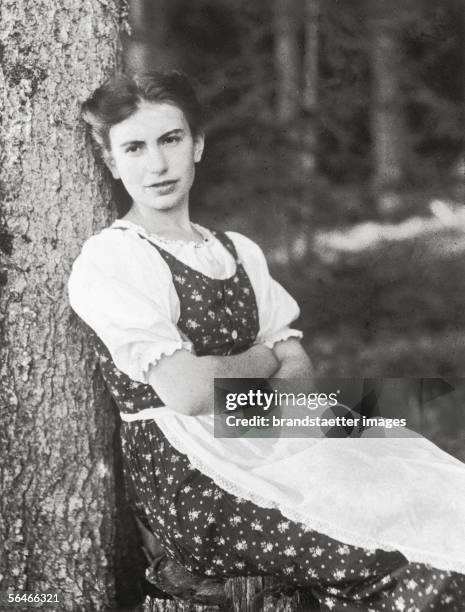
56 472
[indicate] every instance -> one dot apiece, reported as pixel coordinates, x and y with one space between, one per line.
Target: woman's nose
157 162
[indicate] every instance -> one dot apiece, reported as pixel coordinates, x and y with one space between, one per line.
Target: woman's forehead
151 120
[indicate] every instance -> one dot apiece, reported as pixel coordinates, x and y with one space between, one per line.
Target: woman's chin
163 204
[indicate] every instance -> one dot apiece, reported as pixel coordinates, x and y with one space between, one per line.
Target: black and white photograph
232 322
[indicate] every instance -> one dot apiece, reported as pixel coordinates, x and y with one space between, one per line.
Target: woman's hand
294 365
293 360
264 359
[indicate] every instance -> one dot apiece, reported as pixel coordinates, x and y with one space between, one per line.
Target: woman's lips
163 187
161 184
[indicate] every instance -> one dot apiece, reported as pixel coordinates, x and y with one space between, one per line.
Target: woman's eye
171 140
134 148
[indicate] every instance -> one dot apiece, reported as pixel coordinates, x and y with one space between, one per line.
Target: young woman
372 524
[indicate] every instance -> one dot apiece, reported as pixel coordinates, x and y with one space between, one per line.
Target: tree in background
433 52
149 42
286 61
295 45
310 83
57 505
387 124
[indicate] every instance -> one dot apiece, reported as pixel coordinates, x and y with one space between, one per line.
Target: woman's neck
172 224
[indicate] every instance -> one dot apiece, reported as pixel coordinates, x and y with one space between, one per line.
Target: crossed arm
185 381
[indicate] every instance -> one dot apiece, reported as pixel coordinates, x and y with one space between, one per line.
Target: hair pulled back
121 96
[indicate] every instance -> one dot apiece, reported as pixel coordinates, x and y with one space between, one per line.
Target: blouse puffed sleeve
122 289
276 308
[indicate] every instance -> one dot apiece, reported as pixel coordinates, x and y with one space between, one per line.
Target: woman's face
154 153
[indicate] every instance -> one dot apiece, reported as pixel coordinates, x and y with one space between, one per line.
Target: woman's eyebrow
131 142
171 133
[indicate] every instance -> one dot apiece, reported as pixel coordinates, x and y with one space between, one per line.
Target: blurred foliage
227 45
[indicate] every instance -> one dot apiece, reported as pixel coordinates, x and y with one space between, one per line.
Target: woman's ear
199 142
110 163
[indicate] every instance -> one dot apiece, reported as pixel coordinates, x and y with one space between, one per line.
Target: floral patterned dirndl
214 533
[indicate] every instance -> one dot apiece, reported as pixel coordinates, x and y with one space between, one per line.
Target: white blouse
123 289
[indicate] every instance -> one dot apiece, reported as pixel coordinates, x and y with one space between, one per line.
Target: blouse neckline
208 239
203 231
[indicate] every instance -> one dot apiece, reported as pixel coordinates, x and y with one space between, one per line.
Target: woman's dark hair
121 96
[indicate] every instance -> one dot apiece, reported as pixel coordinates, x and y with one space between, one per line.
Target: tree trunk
56 466
387 123
286 60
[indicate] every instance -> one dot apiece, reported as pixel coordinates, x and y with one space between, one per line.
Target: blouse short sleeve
122 288
276 308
